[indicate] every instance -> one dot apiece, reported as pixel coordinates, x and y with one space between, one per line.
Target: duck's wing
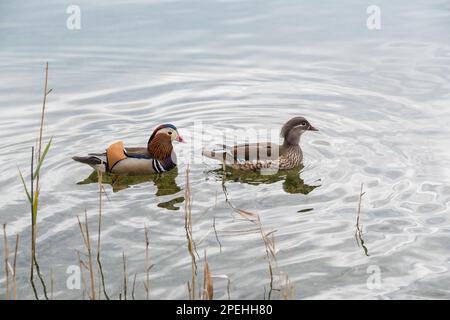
249 152
137 152
134 152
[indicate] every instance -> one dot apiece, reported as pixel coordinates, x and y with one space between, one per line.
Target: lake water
379 97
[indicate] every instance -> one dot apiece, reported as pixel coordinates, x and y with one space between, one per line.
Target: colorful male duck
266 155
157 157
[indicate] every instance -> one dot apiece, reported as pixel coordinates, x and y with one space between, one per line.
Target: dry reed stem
287 290
51 284
14 268
224 276
268 238
99 232
124 276
83 279
134 286
5 258
33 223
359 231
191 243
269 244
87 244
217 236
99 284
208 288
147 264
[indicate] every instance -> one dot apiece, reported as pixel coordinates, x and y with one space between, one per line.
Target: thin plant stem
52 282
83 280
217 236
134 286
87 244
147 264
359 231
189 235
99 231
124 276
14 268
5 257
33 229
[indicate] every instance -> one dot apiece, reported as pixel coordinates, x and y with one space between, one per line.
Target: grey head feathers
293 129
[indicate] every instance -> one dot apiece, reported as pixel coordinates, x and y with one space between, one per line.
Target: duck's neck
160 147
291 144
289 150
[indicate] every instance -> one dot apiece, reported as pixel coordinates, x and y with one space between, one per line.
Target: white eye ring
301 125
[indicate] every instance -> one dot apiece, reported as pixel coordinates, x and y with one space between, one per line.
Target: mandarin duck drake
257 156
157 157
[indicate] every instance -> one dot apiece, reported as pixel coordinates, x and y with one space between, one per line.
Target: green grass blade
41 160
35 206
25 186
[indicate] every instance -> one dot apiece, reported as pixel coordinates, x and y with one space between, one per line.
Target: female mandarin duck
266 155
157 157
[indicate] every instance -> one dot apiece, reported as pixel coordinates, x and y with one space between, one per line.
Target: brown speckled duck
267 155
157 157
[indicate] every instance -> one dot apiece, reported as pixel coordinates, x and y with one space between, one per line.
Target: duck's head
294 128
160 142
168 132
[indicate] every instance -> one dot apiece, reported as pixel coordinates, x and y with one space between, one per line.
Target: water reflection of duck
165 184
292 183
256 156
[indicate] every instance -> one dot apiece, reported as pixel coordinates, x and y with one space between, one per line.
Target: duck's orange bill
180 139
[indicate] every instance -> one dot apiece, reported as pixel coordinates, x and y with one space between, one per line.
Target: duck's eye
170 133
304 123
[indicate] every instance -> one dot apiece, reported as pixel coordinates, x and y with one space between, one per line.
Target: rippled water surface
379 97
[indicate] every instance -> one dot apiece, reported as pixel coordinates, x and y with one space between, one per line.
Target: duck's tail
219 153
96 161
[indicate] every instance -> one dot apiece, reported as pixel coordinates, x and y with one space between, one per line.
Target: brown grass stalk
359 230
6 262
52 283
267 238
99 232
147 264
189 236
269 244
134 287
216 234
208 288
83 279
87 244
16 248
125 276
287 290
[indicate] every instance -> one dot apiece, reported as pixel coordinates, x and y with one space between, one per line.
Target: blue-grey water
379 97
